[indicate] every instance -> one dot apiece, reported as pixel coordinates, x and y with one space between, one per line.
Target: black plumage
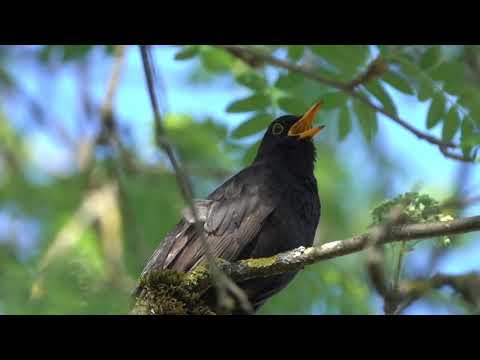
267 208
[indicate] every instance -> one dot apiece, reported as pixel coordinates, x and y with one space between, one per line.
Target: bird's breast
293 222
301 207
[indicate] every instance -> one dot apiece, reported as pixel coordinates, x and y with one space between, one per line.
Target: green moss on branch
168 292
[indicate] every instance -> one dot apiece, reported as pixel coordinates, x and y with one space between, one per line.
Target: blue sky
420 161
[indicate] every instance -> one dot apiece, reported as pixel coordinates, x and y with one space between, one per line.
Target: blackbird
269 207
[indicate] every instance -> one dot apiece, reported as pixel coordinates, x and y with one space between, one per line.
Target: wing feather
231 217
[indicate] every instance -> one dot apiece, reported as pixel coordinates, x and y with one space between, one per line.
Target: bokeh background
85 195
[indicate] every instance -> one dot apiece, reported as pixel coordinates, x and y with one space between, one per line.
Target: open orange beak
303 129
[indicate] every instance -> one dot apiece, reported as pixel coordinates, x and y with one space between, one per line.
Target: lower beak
303 129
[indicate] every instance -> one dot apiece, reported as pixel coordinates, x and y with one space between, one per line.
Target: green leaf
295 52
468 140
398 82
449 72
187 52
255 124
292 105
215 128
216 60
376 89
333 100
431 57
294 84
468 96
288 81
425 89
422 82
409 69
457 88
75 52
251 103
367 119
436 110
347 59
344 123
252 80
450 125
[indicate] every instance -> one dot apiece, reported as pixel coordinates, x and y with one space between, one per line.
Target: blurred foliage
91 228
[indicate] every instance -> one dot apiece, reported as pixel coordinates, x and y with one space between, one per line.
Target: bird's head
288 139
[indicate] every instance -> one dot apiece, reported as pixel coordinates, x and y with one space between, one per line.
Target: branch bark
199 281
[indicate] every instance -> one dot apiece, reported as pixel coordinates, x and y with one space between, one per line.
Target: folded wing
231 219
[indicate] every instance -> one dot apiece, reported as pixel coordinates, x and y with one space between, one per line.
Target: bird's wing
231 218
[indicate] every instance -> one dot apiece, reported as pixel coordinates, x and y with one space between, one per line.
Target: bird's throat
298 160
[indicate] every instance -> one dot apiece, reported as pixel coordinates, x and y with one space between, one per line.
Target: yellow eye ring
277 129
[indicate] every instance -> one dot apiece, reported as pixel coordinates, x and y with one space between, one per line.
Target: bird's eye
277 129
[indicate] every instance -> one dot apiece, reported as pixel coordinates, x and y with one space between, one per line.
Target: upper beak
303 127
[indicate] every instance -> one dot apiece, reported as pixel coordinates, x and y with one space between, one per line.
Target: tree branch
467 285
458 202
350 90
199 281
449 154
298 258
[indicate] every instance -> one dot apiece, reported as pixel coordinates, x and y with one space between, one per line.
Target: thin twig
458 157
40 116
221 282
467 285
375 259
113 84
398 269
457 202
108 131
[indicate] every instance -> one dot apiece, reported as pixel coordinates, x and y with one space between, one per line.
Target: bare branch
108 131
458 157
467 285
458 202
107 105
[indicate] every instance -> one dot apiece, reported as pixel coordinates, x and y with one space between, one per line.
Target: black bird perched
267 208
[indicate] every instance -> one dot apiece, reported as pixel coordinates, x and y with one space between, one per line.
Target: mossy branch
168 292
